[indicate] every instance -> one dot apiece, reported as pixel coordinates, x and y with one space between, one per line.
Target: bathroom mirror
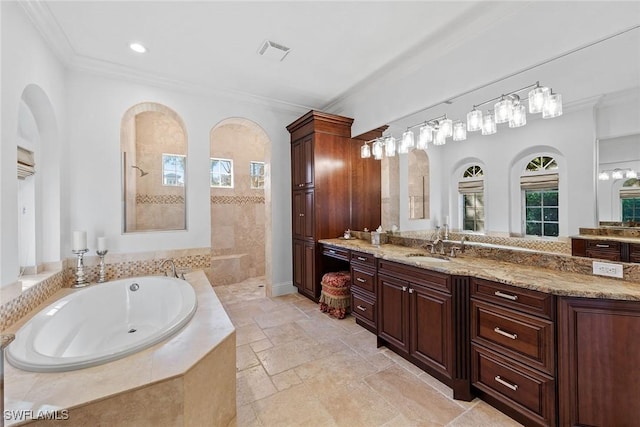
601 80
154 163
618 184
418 184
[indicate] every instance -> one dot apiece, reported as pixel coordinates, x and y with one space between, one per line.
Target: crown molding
46 24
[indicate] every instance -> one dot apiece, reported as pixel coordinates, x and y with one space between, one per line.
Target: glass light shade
502 110
365 151
537 97
617 175
552 106
603 176
425 137
408 139
631 174
446 126
440 137
474 120
459 131
489 126
518 116
390 146
377 150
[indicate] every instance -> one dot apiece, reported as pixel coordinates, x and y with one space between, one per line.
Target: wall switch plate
607 269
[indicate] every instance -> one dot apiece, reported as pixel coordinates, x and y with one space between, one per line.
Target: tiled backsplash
117 266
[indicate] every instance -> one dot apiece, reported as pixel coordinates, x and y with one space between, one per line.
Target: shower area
238 215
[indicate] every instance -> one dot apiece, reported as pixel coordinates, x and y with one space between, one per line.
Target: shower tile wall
238 213
158 206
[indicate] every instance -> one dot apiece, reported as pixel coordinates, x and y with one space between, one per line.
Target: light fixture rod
531 86
424 122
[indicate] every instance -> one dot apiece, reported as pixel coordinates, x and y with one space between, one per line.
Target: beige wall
237 214
390 197
418 184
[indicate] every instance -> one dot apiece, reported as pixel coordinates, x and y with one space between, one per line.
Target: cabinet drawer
534 302
363 258
335 252
362 307
604 249
363 278
431 279
530 393
527 338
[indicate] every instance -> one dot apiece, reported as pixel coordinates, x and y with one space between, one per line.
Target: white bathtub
104 322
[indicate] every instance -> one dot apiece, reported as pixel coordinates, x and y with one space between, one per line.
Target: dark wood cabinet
598 362
513 363
423 316
304 264
330 186
606 249
363 289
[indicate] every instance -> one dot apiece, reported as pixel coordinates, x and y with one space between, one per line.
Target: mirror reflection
154 149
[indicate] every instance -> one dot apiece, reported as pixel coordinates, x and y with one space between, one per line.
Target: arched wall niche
153 147
241 215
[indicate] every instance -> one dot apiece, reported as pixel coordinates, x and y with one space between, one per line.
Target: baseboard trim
284 288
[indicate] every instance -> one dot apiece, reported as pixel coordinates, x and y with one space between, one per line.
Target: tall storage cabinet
323 197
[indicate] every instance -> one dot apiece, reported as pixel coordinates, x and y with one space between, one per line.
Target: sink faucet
173 267
456 249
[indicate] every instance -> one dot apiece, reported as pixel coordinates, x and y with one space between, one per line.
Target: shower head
142 173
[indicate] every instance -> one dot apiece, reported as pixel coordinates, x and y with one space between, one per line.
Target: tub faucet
173 267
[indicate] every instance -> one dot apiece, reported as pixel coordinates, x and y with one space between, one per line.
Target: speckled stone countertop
608 237
5 340
525 275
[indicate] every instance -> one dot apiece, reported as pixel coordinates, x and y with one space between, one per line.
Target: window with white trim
471 189
256 174
173 167
221 173
630 200
539 184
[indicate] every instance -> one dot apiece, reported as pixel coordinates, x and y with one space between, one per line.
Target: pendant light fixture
408 139
503 110
425 136
459 131
474 120
390 146
552 106
489 126
537 97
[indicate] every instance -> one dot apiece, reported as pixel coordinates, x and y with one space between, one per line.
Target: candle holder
101 273
81 280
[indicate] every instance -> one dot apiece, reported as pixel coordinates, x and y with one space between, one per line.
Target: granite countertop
5 340
563 283
607 237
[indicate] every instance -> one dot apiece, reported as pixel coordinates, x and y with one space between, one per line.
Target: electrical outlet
607 269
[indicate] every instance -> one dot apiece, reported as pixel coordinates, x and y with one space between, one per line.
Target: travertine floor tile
300 367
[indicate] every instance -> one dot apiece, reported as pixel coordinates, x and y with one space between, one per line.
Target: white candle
102 243
79 240
446 220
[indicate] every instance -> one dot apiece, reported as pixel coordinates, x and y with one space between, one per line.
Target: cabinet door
309 284
303 214
598 362
430 324
302 163
393 325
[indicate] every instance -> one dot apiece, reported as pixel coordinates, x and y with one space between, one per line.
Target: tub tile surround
17 303
165 384
558 274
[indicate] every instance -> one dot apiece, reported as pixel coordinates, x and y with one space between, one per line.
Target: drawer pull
361 308
507 384
505 334
404 289
300 185
361 280
600 245
507 296
362 258
301 214
331 251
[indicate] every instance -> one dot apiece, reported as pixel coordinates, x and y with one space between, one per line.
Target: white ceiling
337 47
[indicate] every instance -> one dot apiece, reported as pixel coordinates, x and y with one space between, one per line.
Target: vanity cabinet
422 315
332 188
304 262
610 250
513 350
363 289
598 369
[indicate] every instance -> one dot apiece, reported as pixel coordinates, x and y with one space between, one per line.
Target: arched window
539 183
471 189
630 199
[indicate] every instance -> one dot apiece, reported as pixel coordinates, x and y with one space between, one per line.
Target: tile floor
296 366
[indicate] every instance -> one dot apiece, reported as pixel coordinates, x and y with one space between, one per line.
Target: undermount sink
426 257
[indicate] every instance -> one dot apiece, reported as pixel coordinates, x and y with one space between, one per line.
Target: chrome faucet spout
173 267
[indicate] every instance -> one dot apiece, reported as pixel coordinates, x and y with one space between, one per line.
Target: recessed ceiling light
137 47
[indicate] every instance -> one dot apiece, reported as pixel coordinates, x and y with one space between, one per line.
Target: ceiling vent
273 50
